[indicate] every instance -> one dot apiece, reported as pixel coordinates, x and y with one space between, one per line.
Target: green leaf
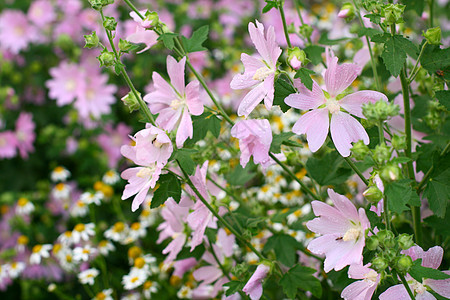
278 139
300 277
168 39
194 43
369 32
438 192
401 160
418 272
435 58
197 253
184 158
374 18
394 53
254 222
233 287
240 176
314 53
380 38
285 247
269 6
444 98
207 121
283 88
324 40
169 186
330 169
399 193
305 76
440 225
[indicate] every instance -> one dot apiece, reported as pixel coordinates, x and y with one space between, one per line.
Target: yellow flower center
37 248
22 202
139 262
79 227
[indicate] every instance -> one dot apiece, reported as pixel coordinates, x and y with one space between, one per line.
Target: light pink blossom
327 113
41 13
66 84
175 102
343 232
253 288
153 145
255 137
259 74
16 33
363 289
141 35
8 144
25 134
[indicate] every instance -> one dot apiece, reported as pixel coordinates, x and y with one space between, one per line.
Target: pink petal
208 274
345 130
185 129
176 73
339 77
251 100
397 292
174 247
251 64
442 287
315 125
359 290
344 205
270 90
168 118
193 101
306 99
326 225
353 102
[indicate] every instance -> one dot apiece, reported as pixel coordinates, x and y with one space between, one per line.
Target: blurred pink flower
111 141
322 104
8 144
16 33
25 134
255 137
174 101
343 232
362 289
41 13
253 288
259 74
66 83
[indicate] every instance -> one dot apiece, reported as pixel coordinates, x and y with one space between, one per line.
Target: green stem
221 220
431 13
290 173
357 171
413 71
387 219
372 58
128 2
297 7
283 19
381 133
402 278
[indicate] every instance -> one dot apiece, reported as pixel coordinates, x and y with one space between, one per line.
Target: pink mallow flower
259 74
111 141
175 102
362 289
16 33
343 232
25 134
255 137
153 145
253 288
8 144
430 259
328 111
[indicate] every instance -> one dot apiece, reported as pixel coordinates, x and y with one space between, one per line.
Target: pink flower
141 35
363 289
343 232
315 123
66 83
259 73
174 101
253 288
112 140
41 13
16 33
25 134
153 145
430 259
255 137
8 144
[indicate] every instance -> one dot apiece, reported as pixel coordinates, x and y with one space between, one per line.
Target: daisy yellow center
37 248
134 279
110 173
148 284
139 262
119 227
333 106
60 186
58 170
79 227
22 240
145 172
22 202
135 226
262 73
101 296
352 234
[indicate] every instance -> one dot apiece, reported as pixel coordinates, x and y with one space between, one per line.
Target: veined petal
442 287
251 100
257 37
306 99
176 73
251 64
270 90
345 130
274 50
315 125
397 292
339 77
243 81
326 225
344 205
353 102
168 118
185 129
193 101
359 290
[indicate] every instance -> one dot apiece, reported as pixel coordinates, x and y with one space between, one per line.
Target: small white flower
82 232
150 288
16 268
104 295
59 174
66 238
61 191
88 276
89 198
185 292
137 231
79 209
24 207
105 246
118 232
111 177
38 252
132 296
83 253
136 278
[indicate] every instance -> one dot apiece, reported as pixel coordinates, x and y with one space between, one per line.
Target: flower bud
390 254
306 31
385 234
381 153
125 45
371 5
373 194
379 264
296 57
433 35
106 58
347 11
130 101
360 150
239 270
372 242
405 241
99 4
403 263
389 242
151 19
393 13
398 142
390 173
91 40
110 23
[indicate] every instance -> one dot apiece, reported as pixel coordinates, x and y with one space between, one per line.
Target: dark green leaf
254 222
184 158
285 247
416 5
197 253
194 43
240 176
418 272
305 76
207 121
401 160
444 98
168 39
374 18
369 32
233 287
324 40
269 6
330 169
440 225
438 192
283 88
169 186
300 277
394 53
380 38
399 193
278 139
314 53
435 58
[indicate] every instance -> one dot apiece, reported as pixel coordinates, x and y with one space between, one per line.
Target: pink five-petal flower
316 123
431 258
343 232
141 35
255 137
363 289
174 101
153 145
8 144
253 288
259 74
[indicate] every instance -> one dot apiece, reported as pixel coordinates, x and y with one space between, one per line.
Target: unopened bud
390 173
405 241
99 4
385 234
392 13
389 242
404 263
151 19
381 153
347 11
131 102
296 57
379 264
433 35
373 194
372 242
91 40
125 45
360 150
110 23
106 58
306 30
398 142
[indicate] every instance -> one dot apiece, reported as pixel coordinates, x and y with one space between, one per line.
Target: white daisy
82 232
59 174
38 252
111 177
83 253
185 292
104 295
88 276
16 268
105 246
79 209
136 278
89 198
24 207
61 191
